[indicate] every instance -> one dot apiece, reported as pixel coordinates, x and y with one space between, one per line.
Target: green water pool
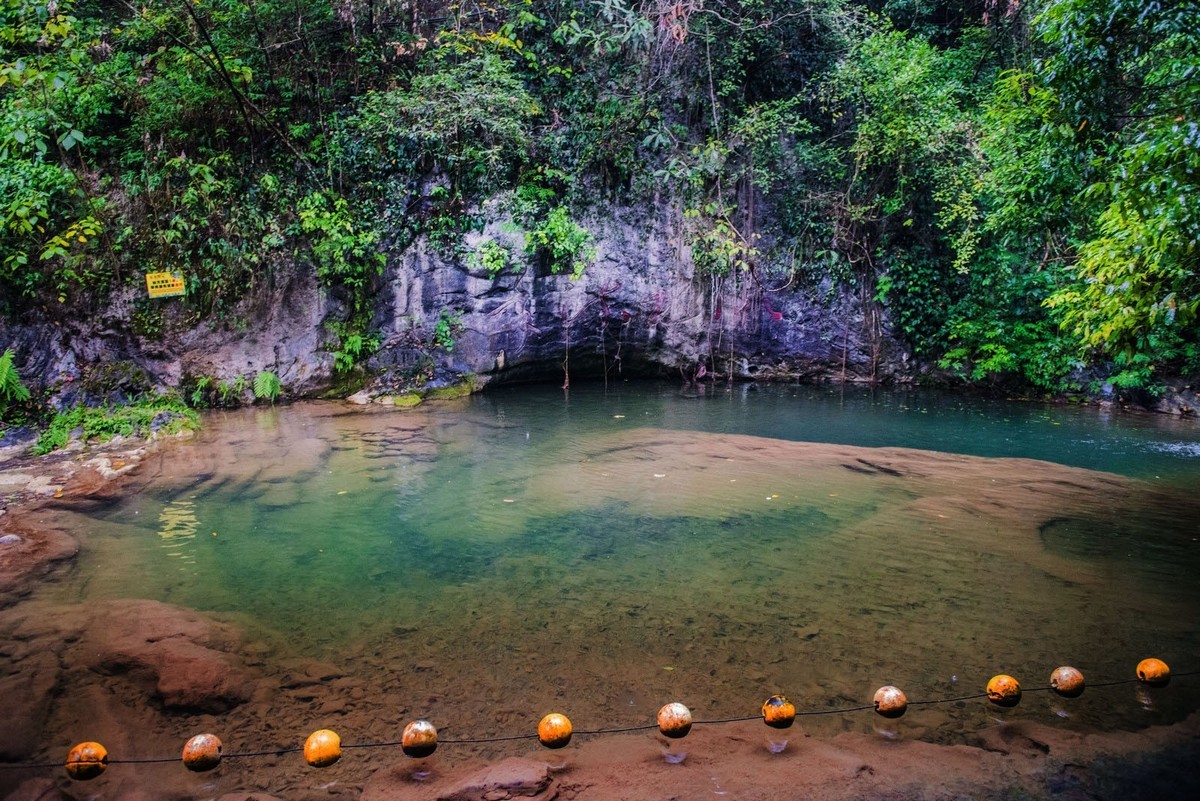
611 549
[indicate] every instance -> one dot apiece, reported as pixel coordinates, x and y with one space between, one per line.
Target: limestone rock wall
639 308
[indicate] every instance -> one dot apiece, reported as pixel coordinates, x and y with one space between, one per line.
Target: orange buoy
891 702
675 720
554 730
1004 690
778 712
322 748
1153 672
202 752
1067 681
86 761
419 739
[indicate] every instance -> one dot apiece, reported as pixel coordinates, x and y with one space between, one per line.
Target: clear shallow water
604 552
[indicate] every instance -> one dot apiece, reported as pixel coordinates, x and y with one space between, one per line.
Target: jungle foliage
1016 184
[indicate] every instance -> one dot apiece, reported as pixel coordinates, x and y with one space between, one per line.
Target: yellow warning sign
164 285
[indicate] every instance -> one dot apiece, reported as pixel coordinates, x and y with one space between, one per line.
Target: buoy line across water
324 747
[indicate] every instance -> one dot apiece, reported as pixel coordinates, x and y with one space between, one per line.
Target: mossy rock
407 401
459 390
118 381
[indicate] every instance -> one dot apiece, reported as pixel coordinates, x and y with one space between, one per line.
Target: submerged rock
29 557
181 657
27 697
39 789
514 778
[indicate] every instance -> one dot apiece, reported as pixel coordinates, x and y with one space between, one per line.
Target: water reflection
178 525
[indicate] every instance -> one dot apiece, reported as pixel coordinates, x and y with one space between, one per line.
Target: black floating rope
374 745
582 733
726 720
838 711
500 739
622 730
276 752
948 700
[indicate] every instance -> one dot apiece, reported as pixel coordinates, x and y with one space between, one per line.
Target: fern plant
11 388
267 385
199 394
231 391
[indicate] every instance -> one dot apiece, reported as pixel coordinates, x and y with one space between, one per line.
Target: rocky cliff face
639 308
103 353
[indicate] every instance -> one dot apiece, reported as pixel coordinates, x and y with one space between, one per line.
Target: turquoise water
609 550
1132 444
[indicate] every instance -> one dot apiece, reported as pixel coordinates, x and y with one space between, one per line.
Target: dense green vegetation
153 414
1018 185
